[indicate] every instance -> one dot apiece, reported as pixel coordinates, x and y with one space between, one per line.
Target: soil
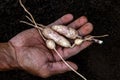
97 62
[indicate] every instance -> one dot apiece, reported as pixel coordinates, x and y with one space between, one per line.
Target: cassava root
51 35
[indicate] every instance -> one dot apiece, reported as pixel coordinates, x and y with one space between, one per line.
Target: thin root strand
69 65
31 25
40 25
100 36
27 12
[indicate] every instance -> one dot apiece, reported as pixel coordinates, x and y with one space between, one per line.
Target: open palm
33 55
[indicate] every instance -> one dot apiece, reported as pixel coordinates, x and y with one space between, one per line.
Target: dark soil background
97 62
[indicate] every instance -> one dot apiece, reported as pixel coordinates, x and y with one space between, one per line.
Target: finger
68 52
78 22
60 67
85 29
63 20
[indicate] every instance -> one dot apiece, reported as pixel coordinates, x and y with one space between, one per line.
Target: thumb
60 67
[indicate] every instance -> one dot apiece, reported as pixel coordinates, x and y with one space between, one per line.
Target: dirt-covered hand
33 56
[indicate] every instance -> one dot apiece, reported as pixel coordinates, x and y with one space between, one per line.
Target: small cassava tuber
78 41
50 44
66 31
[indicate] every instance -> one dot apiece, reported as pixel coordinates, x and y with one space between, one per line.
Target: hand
33 56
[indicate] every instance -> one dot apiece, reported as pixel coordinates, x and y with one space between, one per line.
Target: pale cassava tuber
50 44
66 31
51 34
